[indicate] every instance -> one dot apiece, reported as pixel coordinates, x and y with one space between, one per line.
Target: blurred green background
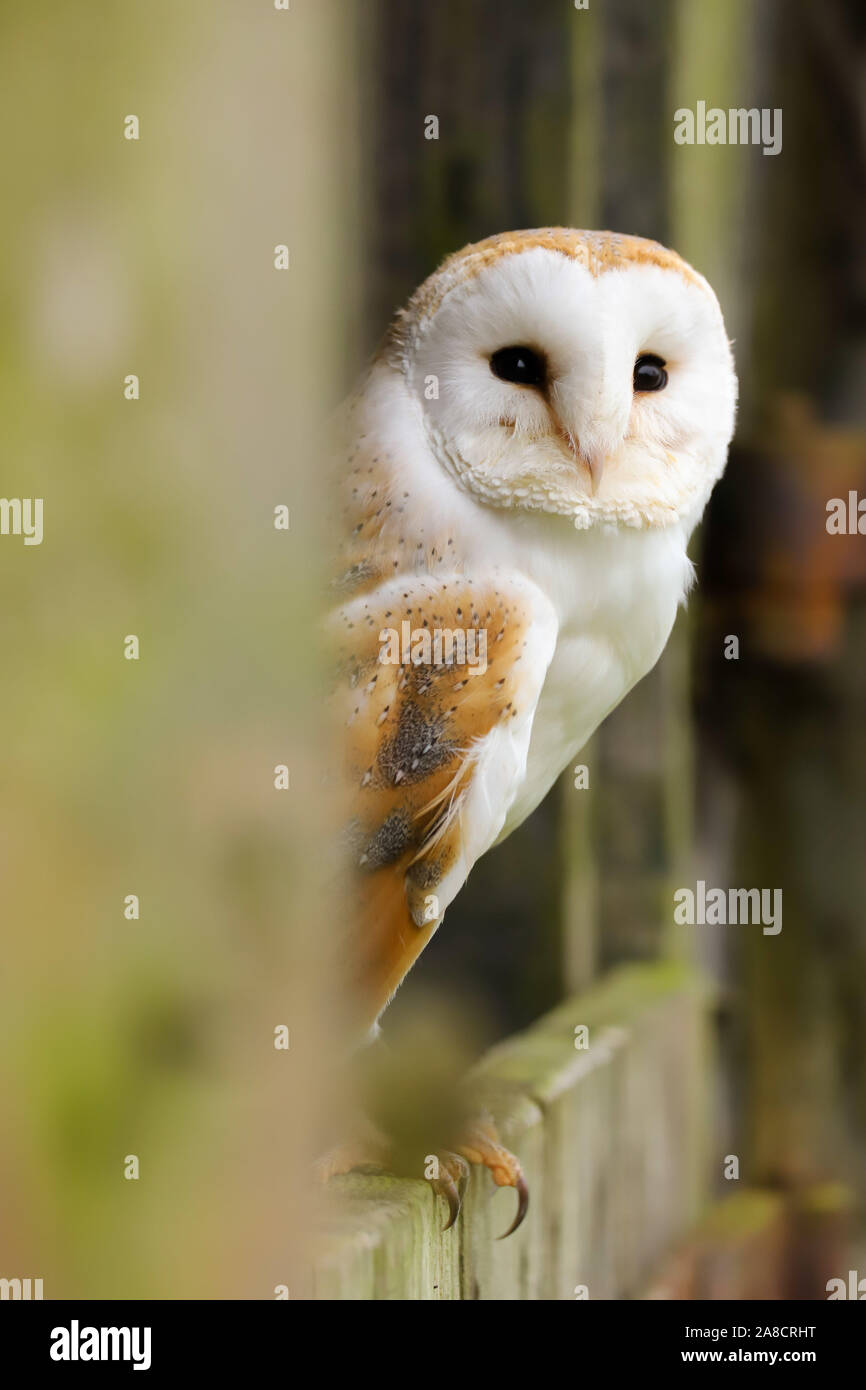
155 1037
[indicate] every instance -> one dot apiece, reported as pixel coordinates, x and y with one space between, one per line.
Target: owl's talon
482 1146
445 1186
451 1166
522 1206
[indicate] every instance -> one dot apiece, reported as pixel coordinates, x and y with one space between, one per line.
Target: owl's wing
436 750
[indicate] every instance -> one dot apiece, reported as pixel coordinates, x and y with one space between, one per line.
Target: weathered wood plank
610 1138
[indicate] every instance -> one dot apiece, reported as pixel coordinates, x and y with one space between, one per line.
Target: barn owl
523 465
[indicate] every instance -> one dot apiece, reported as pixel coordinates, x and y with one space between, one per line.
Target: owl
520 471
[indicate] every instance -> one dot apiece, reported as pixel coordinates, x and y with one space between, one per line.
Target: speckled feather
415 736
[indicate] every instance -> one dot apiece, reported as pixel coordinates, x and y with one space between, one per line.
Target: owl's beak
594 464
591 460
588 442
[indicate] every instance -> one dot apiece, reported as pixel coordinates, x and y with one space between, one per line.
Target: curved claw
522 1189
446 1187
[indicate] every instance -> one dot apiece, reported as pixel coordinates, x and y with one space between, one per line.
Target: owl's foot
369 1153
481 1145
366 1156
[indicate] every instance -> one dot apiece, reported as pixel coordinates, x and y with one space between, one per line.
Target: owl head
580 373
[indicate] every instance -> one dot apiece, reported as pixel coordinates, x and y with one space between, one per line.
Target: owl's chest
617 601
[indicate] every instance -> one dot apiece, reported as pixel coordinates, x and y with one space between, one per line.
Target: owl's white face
576 373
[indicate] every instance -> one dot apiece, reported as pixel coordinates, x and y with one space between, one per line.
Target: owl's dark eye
519 364
649 373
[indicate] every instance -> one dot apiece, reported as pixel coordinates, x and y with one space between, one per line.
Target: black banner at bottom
155 1339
